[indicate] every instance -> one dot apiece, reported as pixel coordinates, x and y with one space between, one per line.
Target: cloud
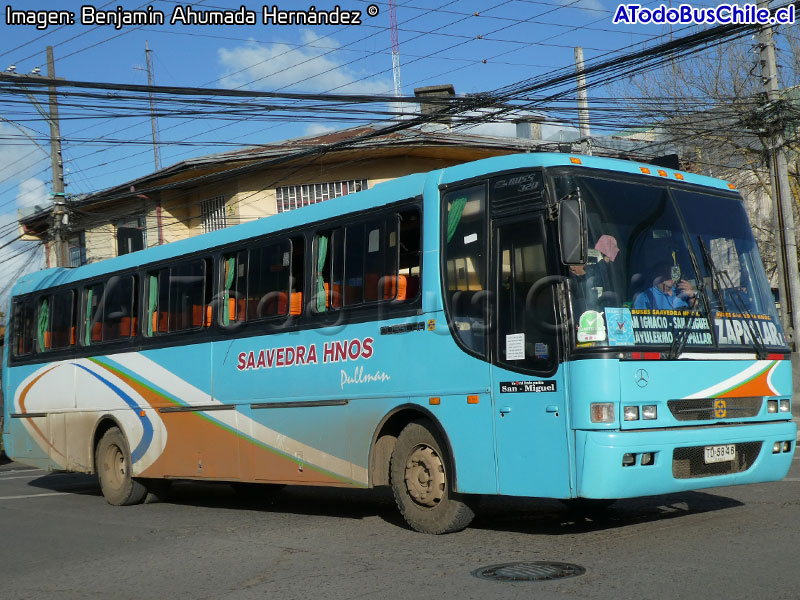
32 192
318 129
592 5
18 154
311 67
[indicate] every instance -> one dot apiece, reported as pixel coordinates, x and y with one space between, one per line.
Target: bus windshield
668 268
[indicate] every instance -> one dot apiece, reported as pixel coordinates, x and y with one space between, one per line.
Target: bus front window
650 282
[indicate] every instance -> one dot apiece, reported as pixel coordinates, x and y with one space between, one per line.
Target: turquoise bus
537 325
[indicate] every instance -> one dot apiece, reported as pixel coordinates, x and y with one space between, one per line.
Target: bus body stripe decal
147 426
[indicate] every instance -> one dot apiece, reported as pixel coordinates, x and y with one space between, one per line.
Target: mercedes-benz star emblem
642 378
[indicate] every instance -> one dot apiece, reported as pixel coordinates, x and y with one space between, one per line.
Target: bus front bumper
627 464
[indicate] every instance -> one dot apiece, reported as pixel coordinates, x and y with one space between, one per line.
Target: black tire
422 483
112 459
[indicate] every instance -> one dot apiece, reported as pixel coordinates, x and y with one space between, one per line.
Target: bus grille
688 463
704 409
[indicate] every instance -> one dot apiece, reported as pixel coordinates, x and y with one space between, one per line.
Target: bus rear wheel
421 483
113 464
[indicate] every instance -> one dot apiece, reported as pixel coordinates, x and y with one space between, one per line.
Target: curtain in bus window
152 304
93 315
454 212
23 327
230 272
322 253
44 324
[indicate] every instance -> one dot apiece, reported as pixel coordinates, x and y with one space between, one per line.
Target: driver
666 293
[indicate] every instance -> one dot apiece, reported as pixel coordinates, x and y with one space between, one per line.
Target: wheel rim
424 475
115 467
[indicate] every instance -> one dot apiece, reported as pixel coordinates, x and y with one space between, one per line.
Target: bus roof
408 186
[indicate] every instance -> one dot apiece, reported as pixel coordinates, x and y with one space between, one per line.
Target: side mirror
572 232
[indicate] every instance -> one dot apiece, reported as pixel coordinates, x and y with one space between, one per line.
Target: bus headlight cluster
785 405
779 447
649 412
602 412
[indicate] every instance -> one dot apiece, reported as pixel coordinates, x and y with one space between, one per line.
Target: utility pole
583 102
59 198
786 250
149 63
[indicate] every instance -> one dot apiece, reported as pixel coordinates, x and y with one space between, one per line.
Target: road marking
34 495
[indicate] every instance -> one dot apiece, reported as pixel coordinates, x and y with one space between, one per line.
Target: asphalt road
60 539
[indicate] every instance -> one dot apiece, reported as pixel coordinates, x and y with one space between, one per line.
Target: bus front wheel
113 464
421 483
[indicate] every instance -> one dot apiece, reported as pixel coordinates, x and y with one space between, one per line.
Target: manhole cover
529 571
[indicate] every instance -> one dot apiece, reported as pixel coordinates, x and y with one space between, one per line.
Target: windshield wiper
719 277
679 343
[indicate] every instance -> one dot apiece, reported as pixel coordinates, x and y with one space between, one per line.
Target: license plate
715 454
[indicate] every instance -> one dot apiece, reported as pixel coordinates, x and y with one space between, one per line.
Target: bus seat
197 315
72 335
394 287
296 306
336 297
47 342
127 327
97 332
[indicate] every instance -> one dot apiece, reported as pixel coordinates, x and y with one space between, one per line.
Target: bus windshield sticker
620 330
515 346
541 351
591 327
472 237
535 387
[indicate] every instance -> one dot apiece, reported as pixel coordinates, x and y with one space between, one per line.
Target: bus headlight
785 405
772 406
650 412
602 412
630 413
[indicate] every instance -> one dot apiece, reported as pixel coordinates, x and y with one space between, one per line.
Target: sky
475 45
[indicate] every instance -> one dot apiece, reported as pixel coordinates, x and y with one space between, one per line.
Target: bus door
528 388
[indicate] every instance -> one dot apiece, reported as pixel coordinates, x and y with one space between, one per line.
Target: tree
710 106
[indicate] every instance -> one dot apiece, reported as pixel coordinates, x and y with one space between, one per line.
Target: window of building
179 297
295 196
212 212
131 236
56 322
77 250
111 309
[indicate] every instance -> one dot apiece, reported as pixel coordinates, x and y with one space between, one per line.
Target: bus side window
56 322
179 297
328 277
22 339
111 310
269 282
465 265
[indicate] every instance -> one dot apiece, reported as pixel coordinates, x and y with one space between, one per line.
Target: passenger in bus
666 293
593 283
